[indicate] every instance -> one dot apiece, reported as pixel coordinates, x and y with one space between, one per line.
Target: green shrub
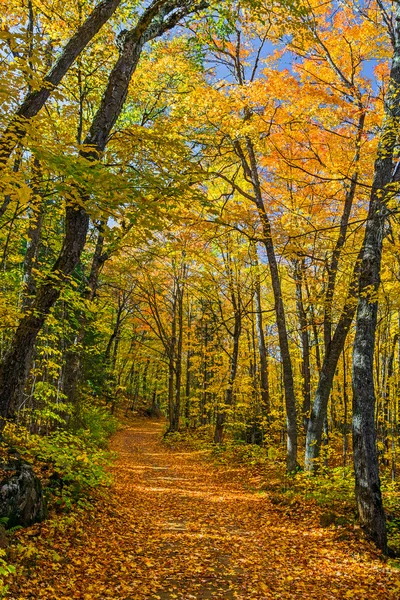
171 439
72 464
240 453
98 423
78 465
329 488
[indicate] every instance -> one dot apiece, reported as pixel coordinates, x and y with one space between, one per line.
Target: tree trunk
262 350
228 400
173 425
334 346
72 367
15 169
368 494
113 337
314 328
178 362
320 407
34 232
341 239
204 392
345 411
251 170
188 380
305 344
235 298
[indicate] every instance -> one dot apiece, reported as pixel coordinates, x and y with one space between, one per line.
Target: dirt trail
176 527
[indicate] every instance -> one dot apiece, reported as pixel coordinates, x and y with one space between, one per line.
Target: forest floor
177 526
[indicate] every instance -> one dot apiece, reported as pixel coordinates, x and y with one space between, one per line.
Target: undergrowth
71 465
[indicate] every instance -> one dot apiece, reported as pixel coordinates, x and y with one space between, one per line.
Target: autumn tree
159 17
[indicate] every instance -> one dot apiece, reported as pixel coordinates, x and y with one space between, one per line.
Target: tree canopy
198 218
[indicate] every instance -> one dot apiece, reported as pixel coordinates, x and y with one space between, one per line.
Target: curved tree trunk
334 345
179 345
305 343
228 400
72 368
173 425
262 350
235 299
320 407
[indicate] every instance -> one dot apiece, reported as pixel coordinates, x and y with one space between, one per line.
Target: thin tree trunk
188 380
173 426
262 350
387 420
235 298
72 367
204 392
320 407
34 232
228 400
345 411
144 380
178 361
341 239
305 344
251 170
334 345
15 169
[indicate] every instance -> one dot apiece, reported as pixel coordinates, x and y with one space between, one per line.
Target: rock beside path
21 497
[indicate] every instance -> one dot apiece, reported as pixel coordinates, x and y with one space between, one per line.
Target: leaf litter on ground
176 526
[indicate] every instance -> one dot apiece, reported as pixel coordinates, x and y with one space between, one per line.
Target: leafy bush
391 502
198 439
50 404
78 465
171 439
71 464
335 486
240 453
97 424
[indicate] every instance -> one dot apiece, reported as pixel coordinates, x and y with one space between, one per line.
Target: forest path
177 527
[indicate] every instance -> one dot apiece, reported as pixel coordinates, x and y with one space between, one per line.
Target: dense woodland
199 218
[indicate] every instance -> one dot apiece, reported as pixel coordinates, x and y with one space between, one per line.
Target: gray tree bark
228 400
262 349
234 357
305 343
251 170
385 185
325 381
